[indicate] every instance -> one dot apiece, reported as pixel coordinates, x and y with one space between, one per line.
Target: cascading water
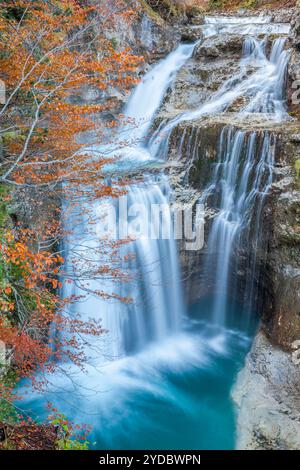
241 181
157 309
241 178
264 90
157 306
249 25
169 383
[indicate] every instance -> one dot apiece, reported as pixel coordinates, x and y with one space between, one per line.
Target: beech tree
49 50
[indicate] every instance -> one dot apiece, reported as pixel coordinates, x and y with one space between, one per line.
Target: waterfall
157 305
241 180
238 188
243 173
157 308
264 90
158 371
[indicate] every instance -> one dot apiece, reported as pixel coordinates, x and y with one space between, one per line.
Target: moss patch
297 168
164 9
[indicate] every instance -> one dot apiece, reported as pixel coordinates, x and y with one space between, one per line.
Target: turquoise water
172 395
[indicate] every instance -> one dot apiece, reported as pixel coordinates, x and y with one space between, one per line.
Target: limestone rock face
202 75
281 287
267 395
281 283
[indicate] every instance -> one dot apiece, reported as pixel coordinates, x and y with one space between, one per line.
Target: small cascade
242 26
263 91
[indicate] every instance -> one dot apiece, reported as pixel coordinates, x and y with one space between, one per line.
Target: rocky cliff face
281 312
267 391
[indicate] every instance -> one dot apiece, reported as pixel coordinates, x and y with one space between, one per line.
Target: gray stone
267 396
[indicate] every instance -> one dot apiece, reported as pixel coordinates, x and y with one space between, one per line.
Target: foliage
71 437
249 4
46 55
21 432
49 51
216 4
8 413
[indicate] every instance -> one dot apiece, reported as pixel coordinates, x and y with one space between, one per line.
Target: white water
130 143
223 20
241 180
148 95
243 26
263 91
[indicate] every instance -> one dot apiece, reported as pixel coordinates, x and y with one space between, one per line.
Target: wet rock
294 72
267 396
218 46
191 33
280 15
295 23
196 82
281 307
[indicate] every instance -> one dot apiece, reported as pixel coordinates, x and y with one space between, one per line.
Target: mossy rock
164 9
297 168
151 13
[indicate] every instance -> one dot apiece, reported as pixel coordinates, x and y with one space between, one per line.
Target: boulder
220 46
267 396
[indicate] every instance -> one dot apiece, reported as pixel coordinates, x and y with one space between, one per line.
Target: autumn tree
49 52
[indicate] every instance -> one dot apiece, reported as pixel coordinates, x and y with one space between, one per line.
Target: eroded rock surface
267 395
